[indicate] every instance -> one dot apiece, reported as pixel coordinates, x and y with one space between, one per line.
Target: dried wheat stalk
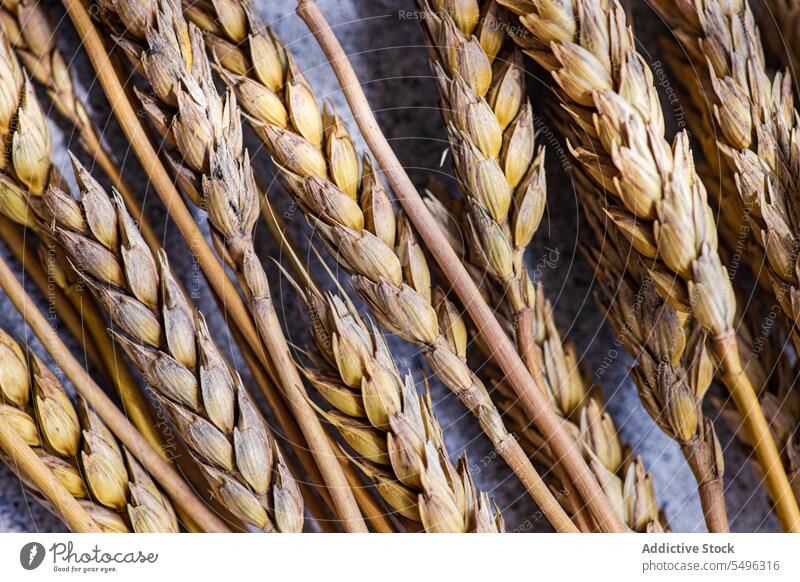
757 136
392 430
490 126
28 153
660 203
673 365
172 347
351 209
501 172
111 486
629 488
215 171
769 364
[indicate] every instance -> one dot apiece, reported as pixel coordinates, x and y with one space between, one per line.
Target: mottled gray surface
384 42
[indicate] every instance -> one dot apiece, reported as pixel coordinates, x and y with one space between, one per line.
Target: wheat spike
215 172
617 133
490 126
582 408
78 448
25 168
172 347
353 215
501 172
392 430
673 365
757 120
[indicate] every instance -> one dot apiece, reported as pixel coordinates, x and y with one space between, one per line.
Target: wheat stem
29 463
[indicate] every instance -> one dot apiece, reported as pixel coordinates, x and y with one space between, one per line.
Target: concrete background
386 45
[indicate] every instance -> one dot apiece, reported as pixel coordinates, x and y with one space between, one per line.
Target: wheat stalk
114 490
320 164
757 135
490 127
673 365
27 139
172 347
501 172
215 171
629 488
617 128
396 438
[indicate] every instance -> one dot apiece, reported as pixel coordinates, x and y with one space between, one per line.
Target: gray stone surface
384 40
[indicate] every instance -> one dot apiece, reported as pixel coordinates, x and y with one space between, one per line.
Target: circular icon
31 555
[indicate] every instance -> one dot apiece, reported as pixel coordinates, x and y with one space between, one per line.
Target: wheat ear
172 347
674 367
29 27
115 491
392 430
607 89
757 136
351 208
501 171
215 171
490 126
28 137
623 477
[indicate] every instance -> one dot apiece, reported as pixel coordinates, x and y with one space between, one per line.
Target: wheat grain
214 169
78 448
392 430
617 129
320 164
172 347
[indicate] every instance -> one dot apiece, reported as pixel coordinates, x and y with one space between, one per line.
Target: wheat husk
79 449
170 344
